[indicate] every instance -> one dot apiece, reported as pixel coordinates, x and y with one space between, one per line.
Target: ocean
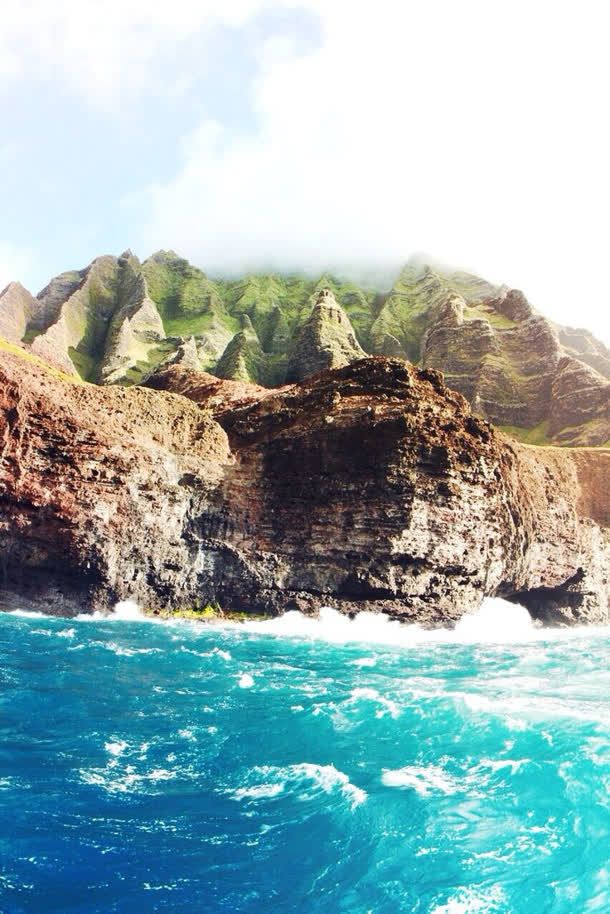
303 766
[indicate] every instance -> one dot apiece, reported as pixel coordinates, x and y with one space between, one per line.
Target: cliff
371 486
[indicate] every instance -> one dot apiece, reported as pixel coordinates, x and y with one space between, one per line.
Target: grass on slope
13 349
539 434
84 363
196 324
498 321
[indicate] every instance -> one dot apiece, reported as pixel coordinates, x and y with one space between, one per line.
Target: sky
313 135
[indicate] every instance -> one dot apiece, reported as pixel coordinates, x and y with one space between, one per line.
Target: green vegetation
28 356
118 320
198 324
84 363
243 359
539 434
86 313
180 290
497 320
243 329
404 316
580 435
211 612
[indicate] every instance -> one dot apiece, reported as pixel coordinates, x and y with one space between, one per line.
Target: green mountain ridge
118 321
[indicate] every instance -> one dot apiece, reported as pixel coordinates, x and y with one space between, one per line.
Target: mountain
325 340
119 321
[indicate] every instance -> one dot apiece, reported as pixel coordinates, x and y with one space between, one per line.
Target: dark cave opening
559 605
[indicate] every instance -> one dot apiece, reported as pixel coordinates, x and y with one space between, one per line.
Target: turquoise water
183 768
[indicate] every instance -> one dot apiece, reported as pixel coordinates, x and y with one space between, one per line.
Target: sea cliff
367 487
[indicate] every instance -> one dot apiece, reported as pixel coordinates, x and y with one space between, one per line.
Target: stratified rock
368 487
214 393
580 404
117 320
583 346
59 290
326 340
496 350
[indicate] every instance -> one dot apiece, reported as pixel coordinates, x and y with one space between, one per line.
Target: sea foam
496 621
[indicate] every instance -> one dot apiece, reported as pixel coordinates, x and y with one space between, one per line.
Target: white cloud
471 130
475 133
105 50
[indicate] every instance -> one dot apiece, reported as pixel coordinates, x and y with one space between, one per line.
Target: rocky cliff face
19 312
98 323
371 486
507 359
118 321
583 346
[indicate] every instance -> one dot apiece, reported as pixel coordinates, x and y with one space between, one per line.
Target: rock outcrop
586 348
135 329
19 312
496 350
104 327
372 486
80 308
244 358
326 340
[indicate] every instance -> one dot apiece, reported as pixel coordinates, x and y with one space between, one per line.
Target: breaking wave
497 621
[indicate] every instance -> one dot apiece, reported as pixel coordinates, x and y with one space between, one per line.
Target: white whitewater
497 621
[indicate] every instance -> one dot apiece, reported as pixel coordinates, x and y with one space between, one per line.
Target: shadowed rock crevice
556 605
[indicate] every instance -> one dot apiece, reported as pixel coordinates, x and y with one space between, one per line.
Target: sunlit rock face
18 311
506 359
371 486
326 340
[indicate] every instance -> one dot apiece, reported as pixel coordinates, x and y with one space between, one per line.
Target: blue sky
71 161
309 135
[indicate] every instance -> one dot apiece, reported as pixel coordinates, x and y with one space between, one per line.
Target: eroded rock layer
372 486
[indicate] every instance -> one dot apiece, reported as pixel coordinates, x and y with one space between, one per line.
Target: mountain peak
327 298
326 340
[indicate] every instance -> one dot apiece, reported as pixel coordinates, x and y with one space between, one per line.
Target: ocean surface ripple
303 766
